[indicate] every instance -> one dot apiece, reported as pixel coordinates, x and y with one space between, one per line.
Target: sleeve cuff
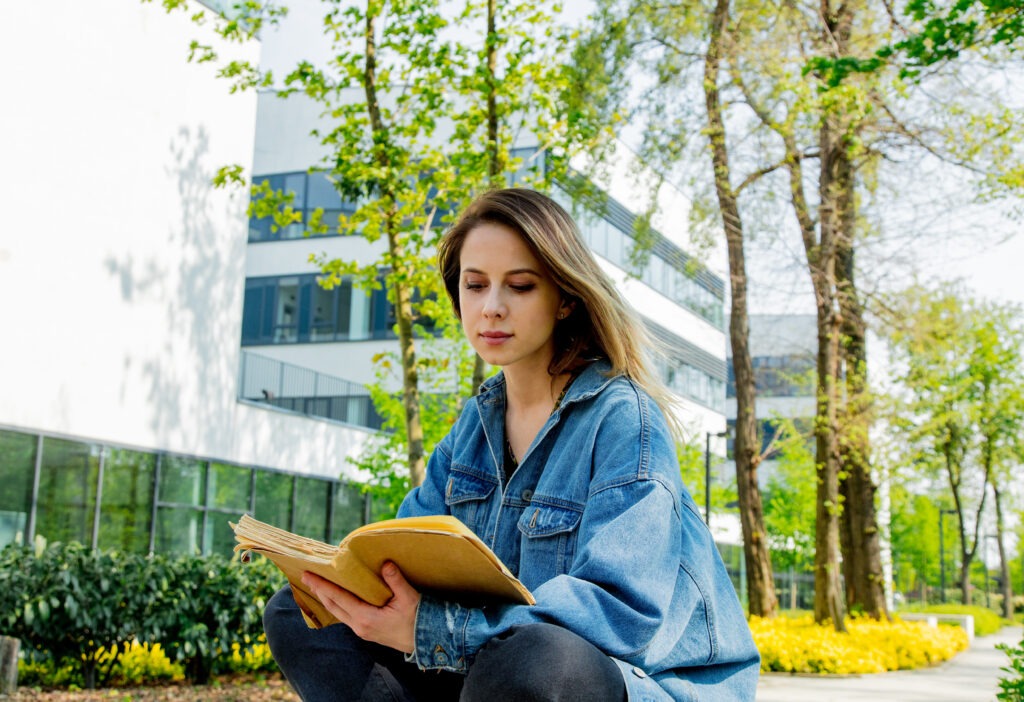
440 636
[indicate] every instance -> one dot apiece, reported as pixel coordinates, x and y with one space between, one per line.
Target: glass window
295 183
252 312
126 504
274 498
182 481
322 193
361 318
228 487
17 468
220 537
323 315
348 510
286 316
343 310
178 530
67 491
311 508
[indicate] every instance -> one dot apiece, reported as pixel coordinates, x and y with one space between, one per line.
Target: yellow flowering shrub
251 660
798 645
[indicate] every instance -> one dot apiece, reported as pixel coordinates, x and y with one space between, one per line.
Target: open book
435 554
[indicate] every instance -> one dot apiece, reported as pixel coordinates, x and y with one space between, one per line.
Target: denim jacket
596 523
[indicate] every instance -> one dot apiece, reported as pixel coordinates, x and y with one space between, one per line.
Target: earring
561 315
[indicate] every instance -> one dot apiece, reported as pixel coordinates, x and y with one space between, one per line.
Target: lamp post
942 556
707 473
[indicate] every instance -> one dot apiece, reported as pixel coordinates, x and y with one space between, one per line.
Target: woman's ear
566 308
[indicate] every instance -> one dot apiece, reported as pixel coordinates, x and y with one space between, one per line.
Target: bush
985 620
798 645
216 605
1011 687
80 609
73 603
136 664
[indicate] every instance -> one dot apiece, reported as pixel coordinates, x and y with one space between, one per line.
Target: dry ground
271 689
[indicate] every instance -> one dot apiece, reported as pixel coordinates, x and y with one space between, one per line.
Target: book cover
437 554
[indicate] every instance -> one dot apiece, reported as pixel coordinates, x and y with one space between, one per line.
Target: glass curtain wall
106 496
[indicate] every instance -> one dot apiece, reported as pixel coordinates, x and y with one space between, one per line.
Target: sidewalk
972 676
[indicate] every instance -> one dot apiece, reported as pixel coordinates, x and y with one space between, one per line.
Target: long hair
601 324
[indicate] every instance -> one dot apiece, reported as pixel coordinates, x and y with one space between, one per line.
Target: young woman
565 465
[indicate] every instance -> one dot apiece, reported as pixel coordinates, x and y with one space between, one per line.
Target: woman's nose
494 305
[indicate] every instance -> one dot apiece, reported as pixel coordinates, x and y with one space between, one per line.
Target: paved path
972 676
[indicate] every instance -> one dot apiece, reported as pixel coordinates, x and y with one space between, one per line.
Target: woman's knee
282 622
542 662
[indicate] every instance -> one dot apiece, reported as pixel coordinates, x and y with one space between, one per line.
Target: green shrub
73 603
215 607
78 609
985 620
1011 687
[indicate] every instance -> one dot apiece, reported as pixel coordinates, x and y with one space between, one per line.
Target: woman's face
508 300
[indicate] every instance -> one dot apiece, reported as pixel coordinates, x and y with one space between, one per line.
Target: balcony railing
297 389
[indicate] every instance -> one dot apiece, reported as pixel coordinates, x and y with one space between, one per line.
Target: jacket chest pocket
466 496
548 542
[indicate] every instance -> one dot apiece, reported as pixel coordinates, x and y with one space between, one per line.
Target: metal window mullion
330 510
294 496
206 501
30 529
156 502
99 498
252 491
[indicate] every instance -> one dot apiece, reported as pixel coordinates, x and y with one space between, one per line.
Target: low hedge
798 645
84 609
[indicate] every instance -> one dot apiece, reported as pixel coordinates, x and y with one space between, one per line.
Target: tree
664 40
945 31
997 366
960 382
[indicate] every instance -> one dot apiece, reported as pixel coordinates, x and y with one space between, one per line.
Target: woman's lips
493 338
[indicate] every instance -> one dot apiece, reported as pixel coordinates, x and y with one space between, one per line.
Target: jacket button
639 672
527 495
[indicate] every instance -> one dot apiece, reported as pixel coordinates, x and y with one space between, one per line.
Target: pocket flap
463 487
541 520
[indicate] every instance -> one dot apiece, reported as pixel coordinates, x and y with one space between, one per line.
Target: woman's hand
393 624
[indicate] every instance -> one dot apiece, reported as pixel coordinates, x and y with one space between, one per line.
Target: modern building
170 363
122 275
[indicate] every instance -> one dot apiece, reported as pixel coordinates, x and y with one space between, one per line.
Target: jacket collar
588 383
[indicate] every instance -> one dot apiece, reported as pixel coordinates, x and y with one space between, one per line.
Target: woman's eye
469 285
522 287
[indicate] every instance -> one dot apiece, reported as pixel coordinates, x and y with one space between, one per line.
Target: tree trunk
8 665
861 550
760 583
1004 564
821 259
401 295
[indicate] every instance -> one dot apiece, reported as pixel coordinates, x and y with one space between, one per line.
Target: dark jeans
534 662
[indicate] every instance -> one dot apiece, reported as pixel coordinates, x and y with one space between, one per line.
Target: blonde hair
601 324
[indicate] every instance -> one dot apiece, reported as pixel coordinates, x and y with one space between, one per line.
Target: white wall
121 270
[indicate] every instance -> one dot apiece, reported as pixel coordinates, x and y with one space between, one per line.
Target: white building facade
122 274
